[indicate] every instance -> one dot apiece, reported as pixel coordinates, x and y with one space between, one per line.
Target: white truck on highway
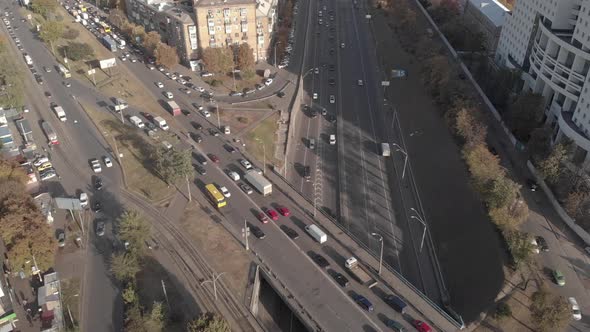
28 60
136 121
316 233
259 182
359 273
385 150
60 113
160 122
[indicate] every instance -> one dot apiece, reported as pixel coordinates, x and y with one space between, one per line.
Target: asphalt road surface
314 289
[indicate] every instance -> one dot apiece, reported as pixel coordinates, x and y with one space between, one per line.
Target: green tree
502 311
208 322
43 7
445 11
511 216
77 51
574 203
173 165
549 312
51 31
70 34
124 266
244 57
138 33
501 192
166 55
468 126
117 18
133 319
525 114
520 247
218 59
11 82
550 167
151 42
155 322
129 295
134 229
483 165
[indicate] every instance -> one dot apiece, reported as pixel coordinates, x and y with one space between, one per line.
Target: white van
169 95
316 233
332 139
136 121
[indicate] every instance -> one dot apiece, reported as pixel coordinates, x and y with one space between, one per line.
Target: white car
159 85
225 192
169 95
233 175
107 161
206 113
576 313
268 81
342 45
200 89
317 70
40 161
360 82
315 95
246 164
95 165
332 99
535 246
83 199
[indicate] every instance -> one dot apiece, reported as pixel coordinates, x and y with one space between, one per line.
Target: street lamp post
263 155
246 233
380 239
399 148
217 111
276 53
423 224
213 280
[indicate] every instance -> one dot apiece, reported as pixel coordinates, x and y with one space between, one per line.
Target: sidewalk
389 278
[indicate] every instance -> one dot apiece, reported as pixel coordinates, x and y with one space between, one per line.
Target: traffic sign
384 83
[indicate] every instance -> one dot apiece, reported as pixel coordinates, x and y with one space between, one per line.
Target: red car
213 158
421 326
272 214
262 217
283 211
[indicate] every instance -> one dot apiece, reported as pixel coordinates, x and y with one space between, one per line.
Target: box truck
136 121
259 182
109 43
316 233
385 151
60 113
359 273
160 122
49 132
173 108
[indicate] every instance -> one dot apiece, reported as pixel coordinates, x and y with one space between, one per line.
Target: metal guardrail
455 322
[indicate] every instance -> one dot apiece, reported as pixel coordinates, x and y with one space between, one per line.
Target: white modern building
549 40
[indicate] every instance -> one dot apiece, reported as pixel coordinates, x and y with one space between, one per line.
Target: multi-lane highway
330 305
350 179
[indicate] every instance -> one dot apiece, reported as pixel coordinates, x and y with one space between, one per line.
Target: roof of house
492 9
263 7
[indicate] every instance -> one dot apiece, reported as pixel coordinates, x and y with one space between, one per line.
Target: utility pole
380 239
165 293
276 65
37 269
188 187
217 111
246 233
213 280
263 155
417 217
399 148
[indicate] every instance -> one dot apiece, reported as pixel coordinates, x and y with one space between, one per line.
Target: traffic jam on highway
216 163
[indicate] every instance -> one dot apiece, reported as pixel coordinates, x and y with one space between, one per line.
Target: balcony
569 129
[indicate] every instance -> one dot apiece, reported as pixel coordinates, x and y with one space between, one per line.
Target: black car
197 137
201 159
98 184
39 79
307 172
290 232
97 206
332 81
197 126
331 118
324 112
531 184
280 94
542 243
332 51
319 259
200 169
340 279
332 67
213 132
256 231
229 148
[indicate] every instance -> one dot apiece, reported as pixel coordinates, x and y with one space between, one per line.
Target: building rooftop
181 13
492 9
221 3
263 7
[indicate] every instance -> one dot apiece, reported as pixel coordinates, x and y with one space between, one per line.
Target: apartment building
223 23
549 40
173 21
489 16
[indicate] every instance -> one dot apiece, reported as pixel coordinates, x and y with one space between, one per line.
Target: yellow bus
64 71
215 196
105 27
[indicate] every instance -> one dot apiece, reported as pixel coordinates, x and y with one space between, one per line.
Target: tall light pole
399 148
213 280
246 233
276 53
417 217
188 187
380 239
217 111
263 155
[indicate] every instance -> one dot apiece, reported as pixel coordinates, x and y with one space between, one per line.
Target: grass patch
239 120
264 135
70 292
136 150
